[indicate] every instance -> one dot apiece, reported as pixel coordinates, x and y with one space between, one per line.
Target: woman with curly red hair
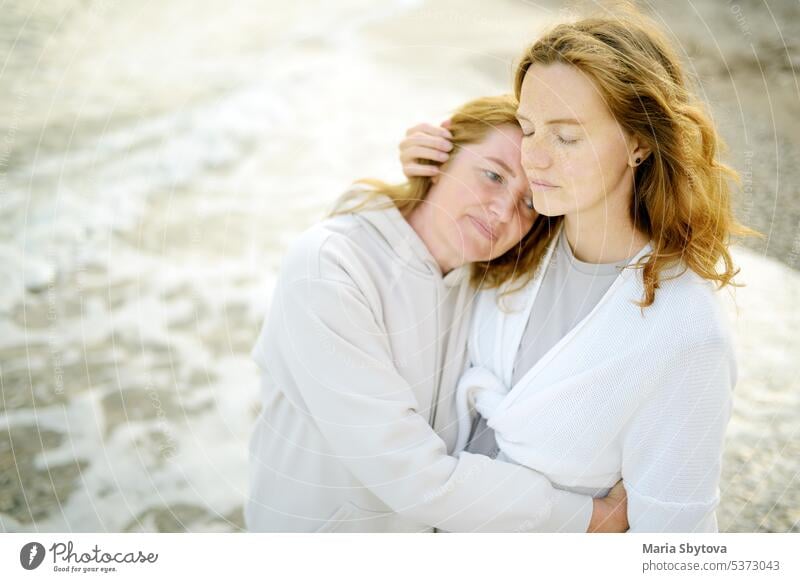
613 360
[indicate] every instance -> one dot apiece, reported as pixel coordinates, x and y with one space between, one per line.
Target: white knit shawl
643 395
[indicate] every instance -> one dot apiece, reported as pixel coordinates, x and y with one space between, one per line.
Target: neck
420 220
604 234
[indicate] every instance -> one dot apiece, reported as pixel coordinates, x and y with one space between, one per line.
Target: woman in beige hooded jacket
364 344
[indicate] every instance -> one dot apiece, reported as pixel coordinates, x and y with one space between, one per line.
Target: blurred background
157 157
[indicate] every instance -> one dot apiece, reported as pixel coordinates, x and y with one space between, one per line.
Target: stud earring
638 161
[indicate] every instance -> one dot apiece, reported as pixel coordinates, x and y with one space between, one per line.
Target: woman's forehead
503 142
557 93
501 138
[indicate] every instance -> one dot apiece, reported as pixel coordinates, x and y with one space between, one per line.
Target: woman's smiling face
480 204
575 154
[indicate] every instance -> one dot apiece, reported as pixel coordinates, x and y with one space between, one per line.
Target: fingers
434 130
425 142
422 153
412 169
424 147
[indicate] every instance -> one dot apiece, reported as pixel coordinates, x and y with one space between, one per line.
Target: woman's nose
502 206
535 154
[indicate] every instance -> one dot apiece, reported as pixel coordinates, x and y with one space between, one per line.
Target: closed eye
566 141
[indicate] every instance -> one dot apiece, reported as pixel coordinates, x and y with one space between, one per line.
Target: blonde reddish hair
470 124
681 195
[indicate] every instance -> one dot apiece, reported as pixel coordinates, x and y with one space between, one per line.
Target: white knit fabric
642 395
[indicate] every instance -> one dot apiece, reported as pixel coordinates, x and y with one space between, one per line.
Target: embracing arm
338 357
672 450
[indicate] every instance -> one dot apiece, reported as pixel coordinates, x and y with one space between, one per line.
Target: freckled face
480 204
574 152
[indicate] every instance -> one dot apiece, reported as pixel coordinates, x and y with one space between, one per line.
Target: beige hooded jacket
360 356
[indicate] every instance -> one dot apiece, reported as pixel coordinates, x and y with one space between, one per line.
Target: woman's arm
336 353
673 447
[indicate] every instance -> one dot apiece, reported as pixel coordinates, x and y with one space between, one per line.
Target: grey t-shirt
570 290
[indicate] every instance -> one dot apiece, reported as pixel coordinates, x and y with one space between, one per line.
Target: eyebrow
503 165
563 120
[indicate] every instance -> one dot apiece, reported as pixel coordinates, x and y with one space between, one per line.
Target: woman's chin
549 210
486 255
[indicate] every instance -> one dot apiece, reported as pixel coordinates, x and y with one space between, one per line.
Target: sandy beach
156 160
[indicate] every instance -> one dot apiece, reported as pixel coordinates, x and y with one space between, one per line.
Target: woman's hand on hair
425 143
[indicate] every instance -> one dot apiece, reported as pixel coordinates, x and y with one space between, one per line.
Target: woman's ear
639 152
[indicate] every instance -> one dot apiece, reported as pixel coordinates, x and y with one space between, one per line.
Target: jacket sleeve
339 358
672 450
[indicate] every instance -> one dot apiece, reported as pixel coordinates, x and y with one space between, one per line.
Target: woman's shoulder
690 338
315 252
694 308
681 285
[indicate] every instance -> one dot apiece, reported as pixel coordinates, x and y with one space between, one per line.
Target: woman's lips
483 228
542 185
